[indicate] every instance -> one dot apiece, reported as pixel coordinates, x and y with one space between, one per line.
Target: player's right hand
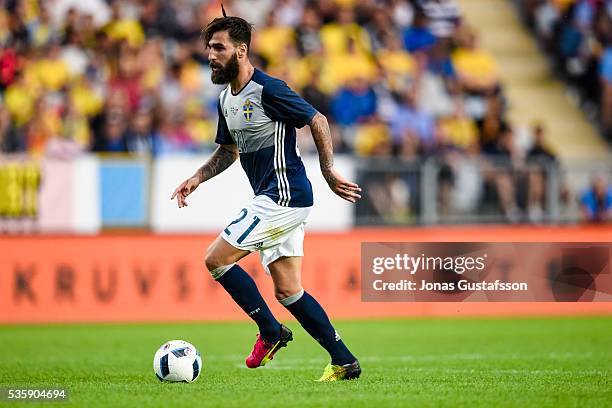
182 191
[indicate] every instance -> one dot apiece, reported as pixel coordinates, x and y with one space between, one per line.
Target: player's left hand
344 188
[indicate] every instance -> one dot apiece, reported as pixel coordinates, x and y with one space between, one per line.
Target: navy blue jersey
261 120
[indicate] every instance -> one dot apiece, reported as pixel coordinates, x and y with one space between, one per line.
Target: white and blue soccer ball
177 361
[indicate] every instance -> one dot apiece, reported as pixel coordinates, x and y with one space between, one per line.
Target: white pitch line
477 356
439 357
480 371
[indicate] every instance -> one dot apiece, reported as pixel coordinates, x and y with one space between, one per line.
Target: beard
225 74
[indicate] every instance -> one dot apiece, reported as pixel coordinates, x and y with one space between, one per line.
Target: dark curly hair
239 30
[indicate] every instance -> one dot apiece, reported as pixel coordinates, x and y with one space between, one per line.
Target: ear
242 50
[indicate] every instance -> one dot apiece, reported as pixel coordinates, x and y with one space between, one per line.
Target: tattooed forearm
221 159
323 140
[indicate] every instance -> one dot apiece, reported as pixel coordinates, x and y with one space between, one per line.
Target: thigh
223 253
287 274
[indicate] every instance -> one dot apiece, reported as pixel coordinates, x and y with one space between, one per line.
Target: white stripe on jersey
284 165
278 164
276 170
297 149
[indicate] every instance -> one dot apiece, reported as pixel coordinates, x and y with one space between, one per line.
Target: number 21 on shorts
250 228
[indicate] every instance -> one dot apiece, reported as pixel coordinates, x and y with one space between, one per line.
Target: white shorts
269 228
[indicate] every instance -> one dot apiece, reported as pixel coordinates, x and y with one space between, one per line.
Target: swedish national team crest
247 110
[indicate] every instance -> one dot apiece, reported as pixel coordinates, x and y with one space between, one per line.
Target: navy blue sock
244 291
314 320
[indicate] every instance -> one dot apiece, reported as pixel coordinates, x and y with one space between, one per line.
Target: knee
211 261
216 267
282 293
288 295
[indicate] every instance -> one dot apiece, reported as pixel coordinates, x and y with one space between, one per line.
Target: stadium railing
91 193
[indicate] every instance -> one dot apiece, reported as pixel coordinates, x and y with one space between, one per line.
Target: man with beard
258 115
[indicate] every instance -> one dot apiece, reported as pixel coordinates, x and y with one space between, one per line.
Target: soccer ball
177 361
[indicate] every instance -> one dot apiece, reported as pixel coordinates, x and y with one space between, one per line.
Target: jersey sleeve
281 103
223 133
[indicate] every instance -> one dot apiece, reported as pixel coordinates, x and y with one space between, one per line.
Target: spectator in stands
339 69
113 136
159 19
439 63
173 128
19 99
380 28
9 61
418 36
544 17
355 103
127 76
399 65
293 69
51 71
539 151
446 153
503 156
45 125
11 141
596 202
142 137
461 130
271 40
540 159
336 36
477 70
201 129
492 124
411 126
431 90
373 139
443 16
110 125
307 33
313 95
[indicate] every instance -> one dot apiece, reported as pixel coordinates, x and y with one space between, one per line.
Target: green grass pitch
535 362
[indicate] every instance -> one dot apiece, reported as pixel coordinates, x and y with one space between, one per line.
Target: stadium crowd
132 75
396 78
577 34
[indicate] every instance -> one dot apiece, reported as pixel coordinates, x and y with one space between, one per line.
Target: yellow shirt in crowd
335 38
271 43
129 30
53 74
474 63
20 104
462 132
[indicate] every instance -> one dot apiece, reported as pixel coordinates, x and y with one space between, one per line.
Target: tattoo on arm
221 159
323 140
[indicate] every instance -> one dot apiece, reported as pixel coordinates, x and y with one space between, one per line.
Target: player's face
223 58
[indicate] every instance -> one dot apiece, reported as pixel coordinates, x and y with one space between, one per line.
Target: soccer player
258 115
